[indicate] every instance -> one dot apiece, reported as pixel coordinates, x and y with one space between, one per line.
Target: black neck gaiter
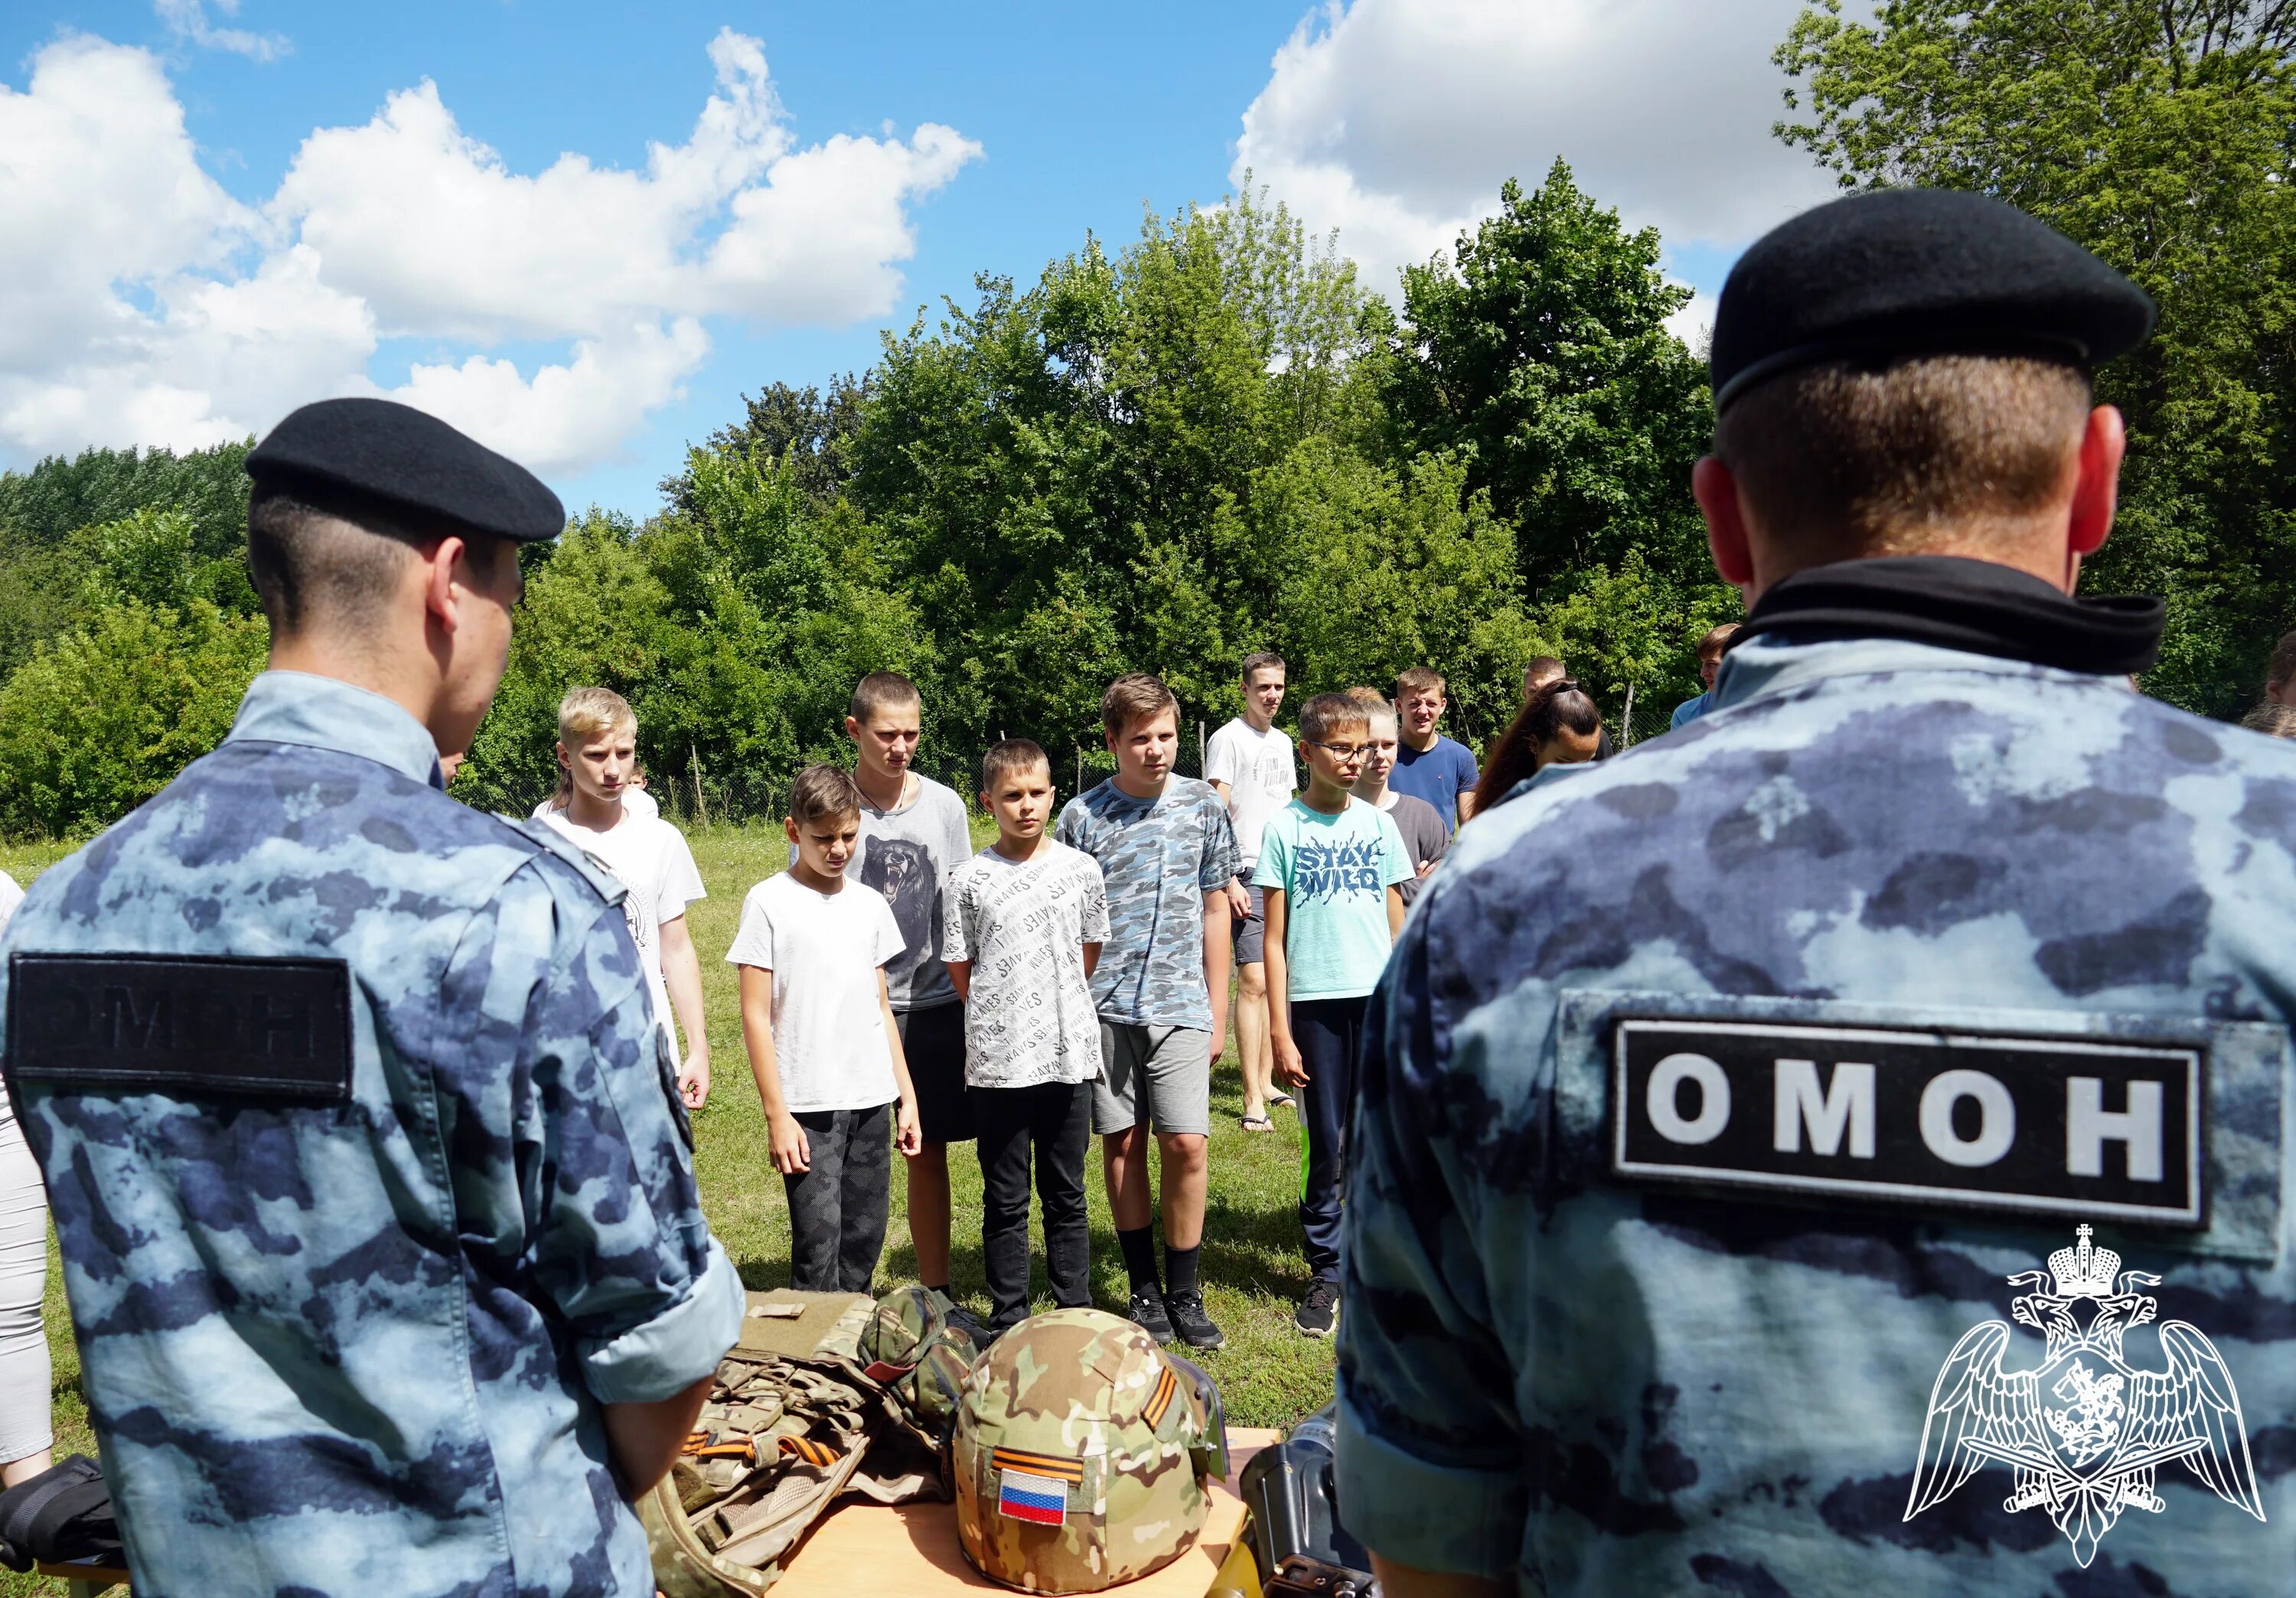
1959 603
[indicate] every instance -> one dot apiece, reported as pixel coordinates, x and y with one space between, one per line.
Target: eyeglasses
1344 752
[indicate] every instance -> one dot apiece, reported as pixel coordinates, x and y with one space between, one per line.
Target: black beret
381 450
1902 272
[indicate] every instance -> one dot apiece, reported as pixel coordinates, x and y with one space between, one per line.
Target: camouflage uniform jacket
1592 1384
362 1346
1160 858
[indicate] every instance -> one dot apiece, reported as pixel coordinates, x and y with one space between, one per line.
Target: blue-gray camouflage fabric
361 1348
1551 1376
1159 857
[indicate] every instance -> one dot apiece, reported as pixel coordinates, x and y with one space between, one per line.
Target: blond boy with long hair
597 754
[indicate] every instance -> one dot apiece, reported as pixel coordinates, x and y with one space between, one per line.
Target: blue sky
248 261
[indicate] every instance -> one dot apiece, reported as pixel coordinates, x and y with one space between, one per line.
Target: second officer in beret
1839 1147
377 1214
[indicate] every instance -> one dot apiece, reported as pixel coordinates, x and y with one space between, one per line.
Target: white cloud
141 303
187 19
1397 120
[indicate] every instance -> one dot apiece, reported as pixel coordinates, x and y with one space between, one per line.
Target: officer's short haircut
2283 664
824 793
1850 458
321 556
2274 721
1328 713
883 691
1133 696
1716 640
1417 679
1009 756
1266 659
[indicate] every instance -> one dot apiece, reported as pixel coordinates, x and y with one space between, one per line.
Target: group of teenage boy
899 990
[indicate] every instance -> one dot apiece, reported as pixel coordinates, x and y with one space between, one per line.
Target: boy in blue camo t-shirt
1330 865
1168 855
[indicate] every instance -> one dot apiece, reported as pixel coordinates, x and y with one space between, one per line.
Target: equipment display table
910 1548
84 1578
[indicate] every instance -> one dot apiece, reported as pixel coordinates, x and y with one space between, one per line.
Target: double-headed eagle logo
2085 1431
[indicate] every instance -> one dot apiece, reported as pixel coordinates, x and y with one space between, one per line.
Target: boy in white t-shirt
818 1020
1023 925
597 752
1249 765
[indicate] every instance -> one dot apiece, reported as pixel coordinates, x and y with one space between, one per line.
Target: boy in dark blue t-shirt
1429 765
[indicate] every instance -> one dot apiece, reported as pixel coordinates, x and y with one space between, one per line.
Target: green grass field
1268 1374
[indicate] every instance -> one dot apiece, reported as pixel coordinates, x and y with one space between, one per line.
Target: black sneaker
1147 1312
1319 1311
1188 1318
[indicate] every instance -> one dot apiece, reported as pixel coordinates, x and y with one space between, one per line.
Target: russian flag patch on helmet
1024 1496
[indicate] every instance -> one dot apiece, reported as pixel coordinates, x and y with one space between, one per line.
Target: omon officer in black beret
375 1202
1716 1092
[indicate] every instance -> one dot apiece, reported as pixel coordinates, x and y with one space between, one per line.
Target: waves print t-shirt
1334 872
1023 925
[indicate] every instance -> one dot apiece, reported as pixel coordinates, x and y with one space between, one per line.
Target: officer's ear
1716 488
2096 490
439 561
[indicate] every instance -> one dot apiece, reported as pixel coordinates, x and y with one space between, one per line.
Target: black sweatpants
837 1208
1053 1122
1330 1033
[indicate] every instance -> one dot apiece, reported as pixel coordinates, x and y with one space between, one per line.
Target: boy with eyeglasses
1332 867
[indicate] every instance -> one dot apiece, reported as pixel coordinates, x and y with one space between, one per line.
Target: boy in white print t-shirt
1022 928
597 751
812 947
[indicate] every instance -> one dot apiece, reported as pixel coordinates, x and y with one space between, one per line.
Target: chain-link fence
1639 716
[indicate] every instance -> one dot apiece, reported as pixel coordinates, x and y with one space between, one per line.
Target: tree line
1216 439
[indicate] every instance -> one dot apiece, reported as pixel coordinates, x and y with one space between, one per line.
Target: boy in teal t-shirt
1330 864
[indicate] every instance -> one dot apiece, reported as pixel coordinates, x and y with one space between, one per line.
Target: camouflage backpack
783 1437
1082 1454
924 1357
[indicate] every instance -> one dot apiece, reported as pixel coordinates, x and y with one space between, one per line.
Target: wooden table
910 1548
84 1578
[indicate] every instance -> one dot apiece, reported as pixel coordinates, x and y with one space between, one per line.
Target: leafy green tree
104 716
736 632
1377 570
2161 133
1064 474
1540 356
58 496
1633 629
804 429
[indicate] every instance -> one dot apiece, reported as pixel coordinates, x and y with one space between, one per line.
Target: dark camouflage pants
837 1209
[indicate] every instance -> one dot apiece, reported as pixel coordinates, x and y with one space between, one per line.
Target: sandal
1259 1123
1281 1100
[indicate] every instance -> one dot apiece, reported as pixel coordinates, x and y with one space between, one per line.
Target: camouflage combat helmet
1084 1455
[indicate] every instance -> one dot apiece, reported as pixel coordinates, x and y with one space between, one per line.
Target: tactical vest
786 1434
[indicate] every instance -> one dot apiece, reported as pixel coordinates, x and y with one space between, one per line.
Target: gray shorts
1250 932
1154 1076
